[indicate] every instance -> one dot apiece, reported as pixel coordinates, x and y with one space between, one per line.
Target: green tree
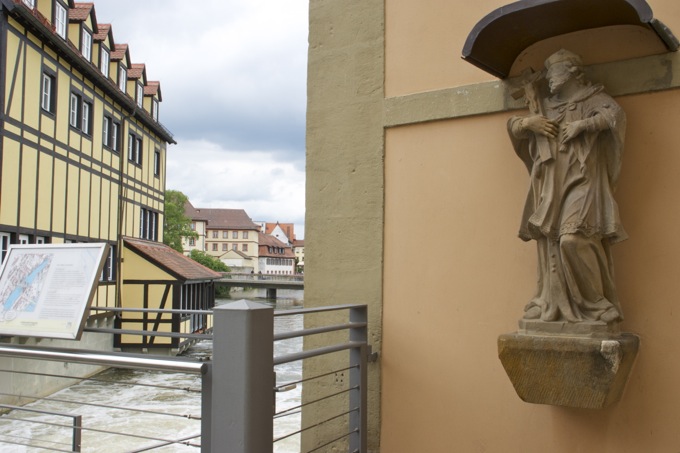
208 261
212 263
177 224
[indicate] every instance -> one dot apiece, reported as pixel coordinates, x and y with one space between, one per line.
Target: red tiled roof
152 89
266 241
136 70
225 219
180 266
192 212
103 32
287 228
119 52
299 243
80 12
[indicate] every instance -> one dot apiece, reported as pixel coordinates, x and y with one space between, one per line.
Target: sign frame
46 290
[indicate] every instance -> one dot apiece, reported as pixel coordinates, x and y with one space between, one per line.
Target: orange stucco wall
454 191
424 40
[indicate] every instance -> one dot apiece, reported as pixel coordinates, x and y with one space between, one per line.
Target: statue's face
557 75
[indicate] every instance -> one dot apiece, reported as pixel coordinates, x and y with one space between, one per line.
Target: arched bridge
271 282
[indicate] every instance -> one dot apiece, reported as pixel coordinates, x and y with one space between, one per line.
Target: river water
152 392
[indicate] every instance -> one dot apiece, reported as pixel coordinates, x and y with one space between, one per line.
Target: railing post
77 433
243 378
358 418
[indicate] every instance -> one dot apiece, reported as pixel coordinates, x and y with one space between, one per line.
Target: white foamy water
167 393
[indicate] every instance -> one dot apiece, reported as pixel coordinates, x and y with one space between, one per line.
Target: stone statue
571 143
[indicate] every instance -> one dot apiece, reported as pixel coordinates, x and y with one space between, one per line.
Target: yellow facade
67 172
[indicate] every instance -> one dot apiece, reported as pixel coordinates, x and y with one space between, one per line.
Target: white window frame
106 131
47 92
85 117
138 150
114 135
157 163
24 239
86 45
104 62
154 109
140 95
74 110
60 20
29 3
131 147
122 78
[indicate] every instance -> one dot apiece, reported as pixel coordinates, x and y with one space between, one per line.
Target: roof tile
80 12
183 267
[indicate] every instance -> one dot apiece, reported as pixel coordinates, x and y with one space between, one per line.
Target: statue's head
563 66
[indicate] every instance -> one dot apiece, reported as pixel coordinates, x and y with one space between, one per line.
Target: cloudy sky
233 81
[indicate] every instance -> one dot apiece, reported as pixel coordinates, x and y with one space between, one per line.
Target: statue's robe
570 208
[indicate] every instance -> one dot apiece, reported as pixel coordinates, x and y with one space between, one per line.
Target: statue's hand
572 130
540 125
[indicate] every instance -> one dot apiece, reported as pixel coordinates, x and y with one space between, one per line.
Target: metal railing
76 427
263 277
237 386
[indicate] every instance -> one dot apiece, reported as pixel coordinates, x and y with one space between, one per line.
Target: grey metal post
358 419
207 409
243 378
77 433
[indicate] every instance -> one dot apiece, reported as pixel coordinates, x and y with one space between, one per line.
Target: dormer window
140 95
104 61
122 78
60 20
86 45
154 109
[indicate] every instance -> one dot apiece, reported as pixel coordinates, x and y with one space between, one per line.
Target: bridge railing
263 277
236 411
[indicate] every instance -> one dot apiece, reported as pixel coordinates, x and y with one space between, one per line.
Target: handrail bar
303 311
151 333
316 352
318 330
111 359
153 310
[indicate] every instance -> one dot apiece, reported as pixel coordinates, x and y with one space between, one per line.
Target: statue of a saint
571 143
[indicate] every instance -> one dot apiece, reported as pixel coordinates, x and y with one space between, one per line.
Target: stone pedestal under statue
583 365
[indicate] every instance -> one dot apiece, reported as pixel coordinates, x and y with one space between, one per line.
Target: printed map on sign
46 289
25 285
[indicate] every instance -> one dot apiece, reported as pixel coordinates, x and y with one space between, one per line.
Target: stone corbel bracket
571 371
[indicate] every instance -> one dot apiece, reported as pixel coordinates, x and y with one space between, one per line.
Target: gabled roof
153 88
237 252
266 241
192 212
170 260
120 52
287 228
226 219
137 71
81 11
103 31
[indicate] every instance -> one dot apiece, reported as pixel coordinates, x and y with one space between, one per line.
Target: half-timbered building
82 151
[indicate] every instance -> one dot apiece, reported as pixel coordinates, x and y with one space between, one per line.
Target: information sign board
46 289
